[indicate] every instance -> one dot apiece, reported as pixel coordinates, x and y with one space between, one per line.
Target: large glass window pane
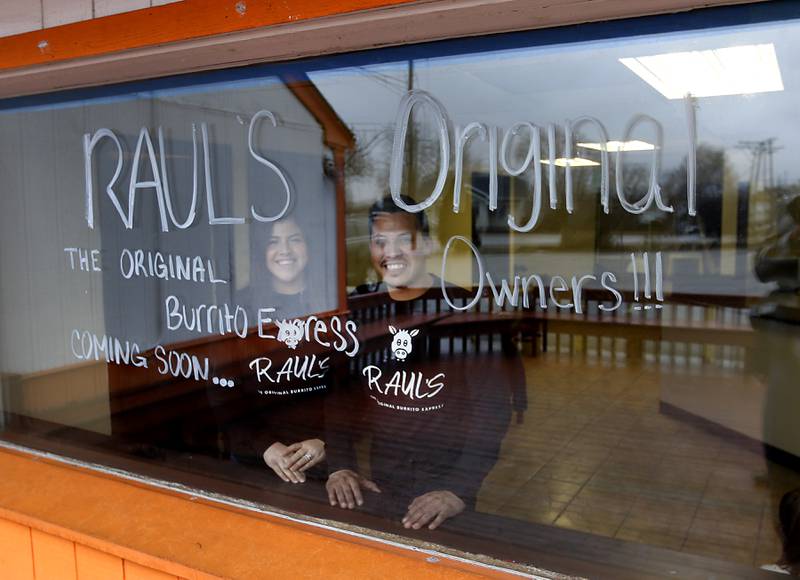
532 296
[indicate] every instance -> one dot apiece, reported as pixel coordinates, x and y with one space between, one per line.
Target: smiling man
399 246
434 416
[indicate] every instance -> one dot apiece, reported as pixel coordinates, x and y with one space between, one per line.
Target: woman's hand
305 454
277 458
344 488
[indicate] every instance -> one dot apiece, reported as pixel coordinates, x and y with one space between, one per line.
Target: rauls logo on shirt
401 343
290 333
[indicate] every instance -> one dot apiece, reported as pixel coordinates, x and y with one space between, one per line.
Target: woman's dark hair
789 528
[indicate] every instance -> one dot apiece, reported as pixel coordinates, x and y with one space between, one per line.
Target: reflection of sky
551 84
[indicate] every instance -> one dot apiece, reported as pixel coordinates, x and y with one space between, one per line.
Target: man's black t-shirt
434 411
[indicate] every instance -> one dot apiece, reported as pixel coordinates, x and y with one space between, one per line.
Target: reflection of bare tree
365 159
712 174
372 154
422 159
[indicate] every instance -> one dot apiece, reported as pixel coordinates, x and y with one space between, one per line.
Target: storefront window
532 296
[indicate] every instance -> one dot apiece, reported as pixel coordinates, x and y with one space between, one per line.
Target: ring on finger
307 456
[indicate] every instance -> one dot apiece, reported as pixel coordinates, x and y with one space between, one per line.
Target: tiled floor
595 454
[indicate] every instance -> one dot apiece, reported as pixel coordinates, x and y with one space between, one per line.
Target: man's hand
305 454
277 458
434 507
344 488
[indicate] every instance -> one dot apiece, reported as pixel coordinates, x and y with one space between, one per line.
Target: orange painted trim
175 22
110 549
195 538
336 133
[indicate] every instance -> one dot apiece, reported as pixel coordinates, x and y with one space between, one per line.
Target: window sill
193 537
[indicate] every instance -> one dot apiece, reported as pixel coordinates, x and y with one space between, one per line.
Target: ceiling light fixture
735 70
614 146
574 162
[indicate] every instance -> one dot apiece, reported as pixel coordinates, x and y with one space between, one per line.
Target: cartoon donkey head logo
401 343
290 332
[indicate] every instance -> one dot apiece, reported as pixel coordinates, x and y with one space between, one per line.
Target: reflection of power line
762 204
369 126
762 165
242 117
393 84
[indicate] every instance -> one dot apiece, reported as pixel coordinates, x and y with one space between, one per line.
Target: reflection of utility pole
763 214
763 160
412 140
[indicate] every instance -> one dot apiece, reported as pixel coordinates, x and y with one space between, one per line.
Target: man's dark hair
387 205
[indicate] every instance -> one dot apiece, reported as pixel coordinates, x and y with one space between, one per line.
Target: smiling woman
285 272
287 257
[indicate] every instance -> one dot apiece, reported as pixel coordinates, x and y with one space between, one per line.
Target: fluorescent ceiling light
735 70
614 146
574 162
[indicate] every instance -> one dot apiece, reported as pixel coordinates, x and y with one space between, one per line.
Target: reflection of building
42 371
